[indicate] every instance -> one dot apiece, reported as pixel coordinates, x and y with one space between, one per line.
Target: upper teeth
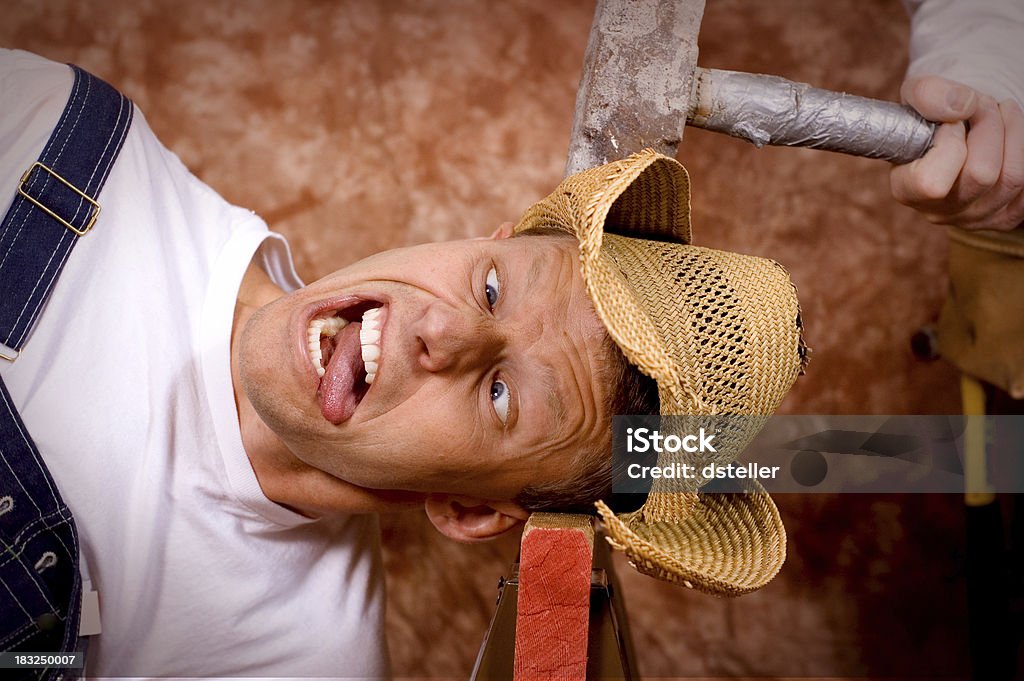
369 341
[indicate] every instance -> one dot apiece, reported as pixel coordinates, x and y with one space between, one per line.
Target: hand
973 176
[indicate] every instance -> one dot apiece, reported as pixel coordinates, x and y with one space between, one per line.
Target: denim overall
40 583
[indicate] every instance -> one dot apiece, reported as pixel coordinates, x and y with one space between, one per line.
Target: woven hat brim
727 545
646 195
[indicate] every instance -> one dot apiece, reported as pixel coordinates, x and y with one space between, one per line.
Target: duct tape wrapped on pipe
771 110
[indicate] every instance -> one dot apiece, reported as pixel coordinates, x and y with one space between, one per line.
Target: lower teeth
326 327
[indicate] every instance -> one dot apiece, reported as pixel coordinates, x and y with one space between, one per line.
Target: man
278 467
964 72
222 435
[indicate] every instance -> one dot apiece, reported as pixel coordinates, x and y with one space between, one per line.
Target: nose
452 339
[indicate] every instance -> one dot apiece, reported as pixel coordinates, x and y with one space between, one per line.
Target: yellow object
982 320
977 491
95 206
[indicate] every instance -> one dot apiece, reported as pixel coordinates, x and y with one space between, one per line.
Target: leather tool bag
981 328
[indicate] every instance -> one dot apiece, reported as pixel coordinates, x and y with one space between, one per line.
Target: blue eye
499 398
492 288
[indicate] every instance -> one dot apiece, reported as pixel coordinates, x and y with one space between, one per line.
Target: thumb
938 99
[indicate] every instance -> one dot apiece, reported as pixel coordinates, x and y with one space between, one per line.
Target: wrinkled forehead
556 277
574 359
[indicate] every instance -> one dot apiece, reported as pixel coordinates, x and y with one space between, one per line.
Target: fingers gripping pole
771 110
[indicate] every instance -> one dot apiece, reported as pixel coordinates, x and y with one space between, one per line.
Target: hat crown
720 332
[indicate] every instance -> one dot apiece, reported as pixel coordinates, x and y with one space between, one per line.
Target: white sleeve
33 92
979 43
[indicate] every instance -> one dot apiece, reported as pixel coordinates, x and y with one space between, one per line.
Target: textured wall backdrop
356 125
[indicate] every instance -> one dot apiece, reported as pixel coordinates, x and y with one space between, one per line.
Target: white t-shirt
979 43
126 388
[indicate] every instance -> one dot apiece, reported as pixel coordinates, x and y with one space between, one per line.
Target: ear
503 231
468 519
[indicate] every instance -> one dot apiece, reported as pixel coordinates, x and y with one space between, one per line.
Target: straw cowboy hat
719 332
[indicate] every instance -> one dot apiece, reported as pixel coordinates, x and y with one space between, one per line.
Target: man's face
488 377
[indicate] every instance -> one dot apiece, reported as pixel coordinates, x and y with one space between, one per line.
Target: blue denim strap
43 223
40 583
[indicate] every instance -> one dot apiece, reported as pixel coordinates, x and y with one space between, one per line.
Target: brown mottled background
358 125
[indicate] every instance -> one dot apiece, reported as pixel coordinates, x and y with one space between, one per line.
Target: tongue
337 393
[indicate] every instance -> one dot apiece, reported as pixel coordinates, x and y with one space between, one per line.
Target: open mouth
344 348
